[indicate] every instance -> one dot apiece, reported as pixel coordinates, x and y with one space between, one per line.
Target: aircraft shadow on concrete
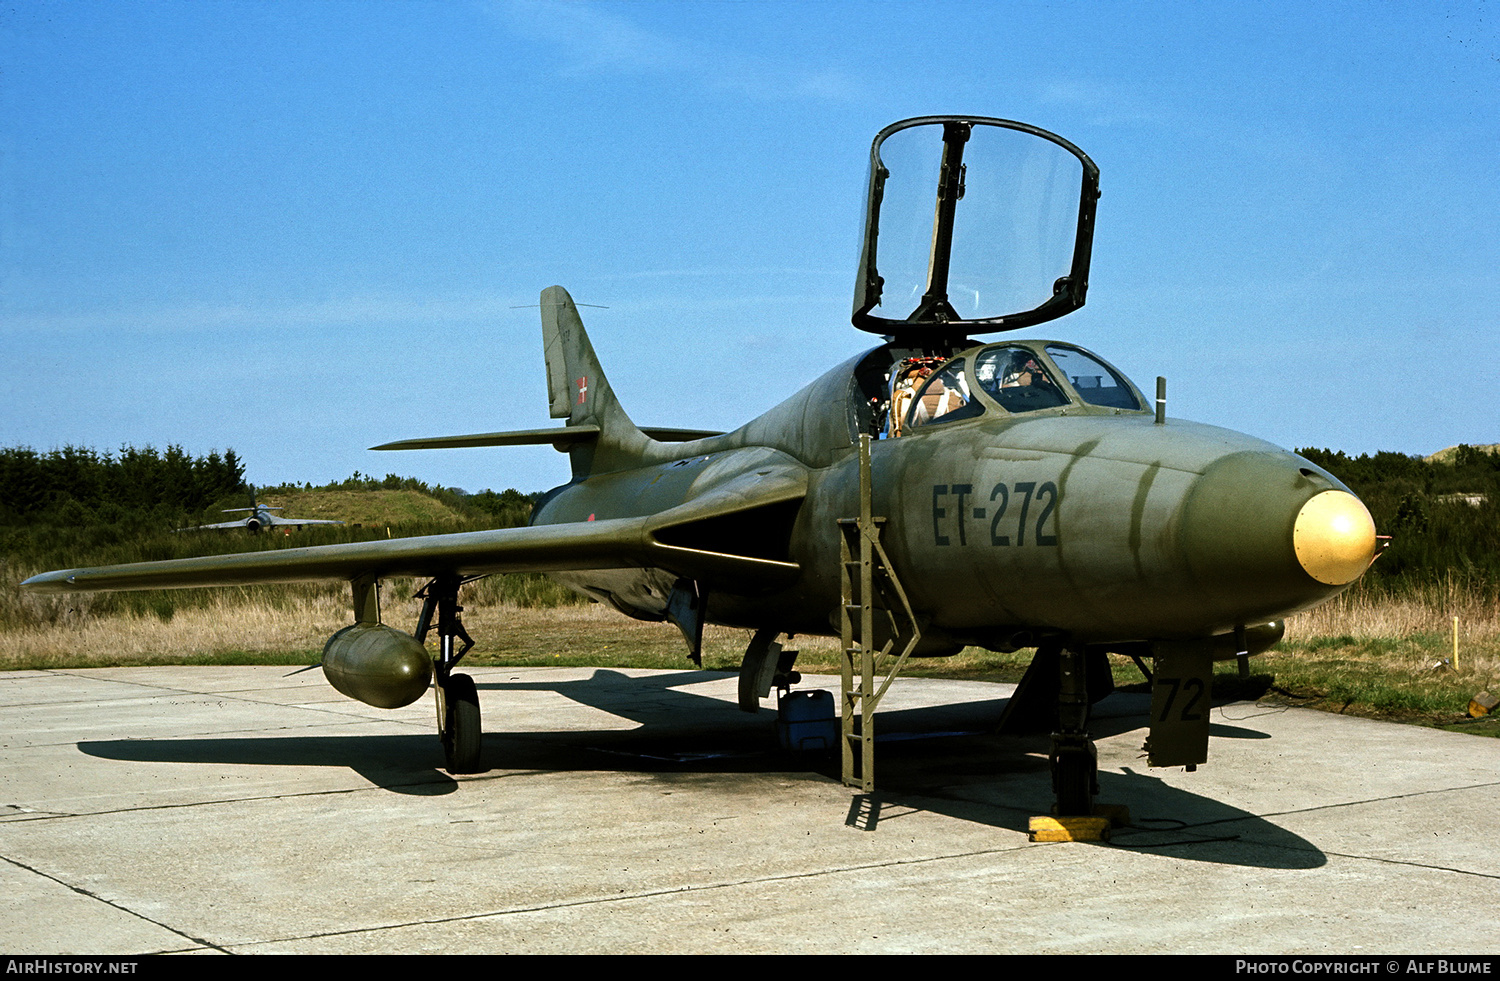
942 759
402 764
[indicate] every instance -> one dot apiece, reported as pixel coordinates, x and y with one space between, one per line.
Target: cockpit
1009 379
975 225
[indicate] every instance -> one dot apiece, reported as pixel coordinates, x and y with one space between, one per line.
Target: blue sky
299 229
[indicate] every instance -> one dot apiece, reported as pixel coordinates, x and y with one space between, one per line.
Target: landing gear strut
1054 697
764 667
458 720
1074 759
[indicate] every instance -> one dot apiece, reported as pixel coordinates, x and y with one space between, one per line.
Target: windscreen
1016 378
1094 381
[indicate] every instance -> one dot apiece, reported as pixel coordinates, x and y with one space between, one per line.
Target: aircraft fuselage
1077 524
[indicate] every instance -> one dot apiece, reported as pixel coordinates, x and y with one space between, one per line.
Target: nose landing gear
1071 680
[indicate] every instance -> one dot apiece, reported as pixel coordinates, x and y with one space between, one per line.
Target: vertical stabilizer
579 392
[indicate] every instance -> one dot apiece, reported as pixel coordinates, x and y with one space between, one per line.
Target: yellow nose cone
1334 537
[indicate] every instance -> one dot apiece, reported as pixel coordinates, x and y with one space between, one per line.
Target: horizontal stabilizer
520 437
560 438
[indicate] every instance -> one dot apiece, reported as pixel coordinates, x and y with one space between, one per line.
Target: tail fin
580 393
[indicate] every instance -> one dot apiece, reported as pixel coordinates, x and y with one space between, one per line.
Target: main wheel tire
462 734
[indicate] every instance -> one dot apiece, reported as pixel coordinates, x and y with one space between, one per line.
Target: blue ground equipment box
806 720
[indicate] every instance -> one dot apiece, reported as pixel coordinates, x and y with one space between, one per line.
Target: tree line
1442 516
78 484
81 485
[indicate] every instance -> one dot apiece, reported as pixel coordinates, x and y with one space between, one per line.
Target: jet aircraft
931 493
260 518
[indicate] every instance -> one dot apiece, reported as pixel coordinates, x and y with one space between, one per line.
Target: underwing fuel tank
377 665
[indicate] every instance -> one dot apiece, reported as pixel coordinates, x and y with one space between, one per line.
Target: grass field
1394 657
1378 650
1385 649
1362 654
371 508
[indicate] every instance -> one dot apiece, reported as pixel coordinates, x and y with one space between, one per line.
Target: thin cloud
592 40
1102 103
194 317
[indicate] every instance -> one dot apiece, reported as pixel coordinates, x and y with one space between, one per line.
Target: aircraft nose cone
1265 534
1334 537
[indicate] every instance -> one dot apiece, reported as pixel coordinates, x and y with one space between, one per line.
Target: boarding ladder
875 606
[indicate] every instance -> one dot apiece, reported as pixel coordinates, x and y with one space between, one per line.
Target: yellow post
1455 643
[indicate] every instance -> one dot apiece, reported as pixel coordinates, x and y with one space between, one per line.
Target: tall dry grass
228 622
293 625
72 629
1424 608
529 619
1396 650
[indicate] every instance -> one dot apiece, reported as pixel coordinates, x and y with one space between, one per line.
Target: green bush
1443 517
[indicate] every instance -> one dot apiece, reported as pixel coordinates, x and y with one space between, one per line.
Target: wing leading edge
274 522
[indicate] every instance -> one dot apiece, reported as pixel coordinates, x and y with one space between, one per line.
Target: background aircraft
928 494
259 518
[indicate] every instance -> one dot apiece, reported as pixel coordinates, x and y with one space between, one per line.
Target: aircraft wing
688 540
240 524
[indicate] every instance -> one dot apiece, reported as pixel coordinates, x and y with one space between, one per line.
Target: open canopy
973 225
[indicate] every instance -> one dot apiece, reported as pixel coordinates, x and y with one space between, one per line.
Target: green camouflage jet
259 517
929 494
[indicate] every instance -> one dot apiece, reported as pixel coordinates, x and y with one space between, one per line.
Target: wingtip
51 582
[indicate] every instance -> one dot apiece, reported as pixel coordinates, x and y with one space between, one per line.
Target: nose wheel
1075 760
1075 774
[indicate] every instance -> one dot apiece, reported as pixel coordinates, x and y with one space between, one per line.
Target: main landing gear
765 666
458 720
